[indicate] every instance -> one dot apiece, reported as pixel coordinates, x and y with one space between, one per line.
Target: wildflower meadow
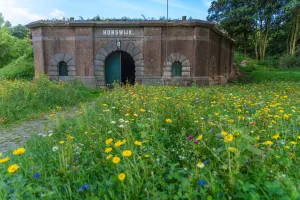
143 142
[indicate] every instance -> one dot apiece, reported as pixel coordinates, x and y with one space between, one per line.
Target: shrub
21 68
290 61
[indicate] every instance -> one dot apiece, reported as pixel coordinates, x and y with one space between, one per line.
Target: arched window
176 69
63 68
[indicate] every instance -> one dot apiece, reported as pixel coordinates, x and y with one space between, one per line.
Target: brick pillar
38 48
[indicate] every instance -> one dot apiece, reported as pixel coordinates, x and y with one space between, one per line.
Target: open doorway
119 67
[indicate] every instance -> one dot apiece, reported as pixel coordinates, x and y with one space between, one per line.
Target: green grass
259 71
23 100
185 135
21 68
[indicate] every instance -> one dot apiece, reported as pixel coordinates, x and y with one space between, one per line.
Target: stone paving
16 135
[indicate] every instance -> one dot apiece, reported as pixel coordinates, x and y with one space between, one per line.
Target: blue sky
26 11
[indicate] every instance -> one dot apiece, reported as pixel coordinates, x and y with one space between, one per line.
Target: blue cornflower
36 175
202 182
206 162
84 187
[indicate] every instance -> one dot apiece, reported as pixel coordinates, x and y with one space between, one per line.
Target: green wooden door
113 68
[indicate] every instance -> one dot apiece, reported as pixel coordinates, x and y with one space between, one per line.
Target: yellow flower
13 168
293 142
138 143
127 153
298 137
105 105
118 143
108 141
281 111
168 120
200 164
228 138
146 155
268 142
136 115
276 136
287 147
241 118
62 142
231 149
70 137
121 176
123 142
230 121
199 138
107 150
142 110
86 132
0 154
19 151
223 133
108 157
4 160
116 160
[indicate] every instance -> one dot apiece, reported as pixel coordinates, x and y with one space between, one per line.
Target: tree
293 14
20 31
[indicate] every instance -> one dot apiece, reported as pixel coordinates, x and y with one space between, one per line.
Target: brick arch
110 47
56 59
177 57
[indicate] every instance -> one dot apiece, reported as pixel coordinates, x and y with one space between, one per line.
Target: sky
26 11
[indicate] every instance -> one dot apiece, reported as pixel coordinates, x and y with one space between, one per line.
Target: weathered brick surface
85 50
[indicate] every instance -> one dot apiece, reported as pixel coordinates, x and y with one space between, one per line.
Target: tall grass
24 99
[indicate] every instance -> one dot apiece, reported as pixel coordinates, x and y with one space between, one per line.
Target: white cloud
57 13
207 3
17 15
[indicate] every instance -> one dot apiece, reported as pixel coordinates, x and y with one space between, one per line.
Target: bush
21 68
290 61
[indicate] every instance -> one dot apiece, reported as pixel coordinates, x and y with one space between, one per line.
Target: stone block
103 52
114 46
177 56
71 62
167 73
167 68
184 74
168 63
130 48
124 45
139 73
186 63
59 57
98 62
186 69
72 73
99 73
138 57
100 57
53 68
182 58
67 58
99 78
172 58
99 68
53 73
139 63
139 69
53 62
71 68
135 51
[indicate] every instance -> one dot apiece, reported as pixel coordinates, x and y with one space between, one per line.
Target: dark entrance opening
127 68
62 68
119 67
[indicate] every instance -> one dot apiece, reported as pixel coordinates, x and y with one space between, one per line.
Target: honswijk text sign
118 32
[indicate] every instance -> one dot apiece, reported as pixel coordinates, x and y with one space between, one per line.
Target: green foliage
23 99
20 31
21 68
11 47
290 61
172 161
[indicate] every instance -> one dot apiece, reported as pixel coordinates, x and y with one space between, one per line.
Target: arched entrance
119 67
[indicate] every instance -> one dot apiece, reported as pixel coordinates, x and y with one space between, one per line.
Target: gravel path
16 135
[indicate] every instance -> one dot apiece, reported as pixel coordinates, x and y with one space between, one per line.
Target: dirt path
16 135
